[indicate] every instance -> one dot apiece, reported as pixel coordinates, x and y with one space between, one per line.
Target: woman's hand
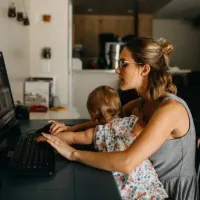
140 116
63 148
58 127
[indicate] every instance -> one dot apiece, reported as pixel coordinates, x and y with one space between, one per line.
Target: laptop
28 157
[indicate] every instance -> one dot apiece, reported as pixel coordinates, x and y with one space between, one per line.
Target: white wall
14 43
186 41
54 35
86 81
21 45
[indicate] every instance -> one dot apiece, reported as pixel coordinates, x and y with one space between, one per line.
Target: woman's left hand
62 147
140 116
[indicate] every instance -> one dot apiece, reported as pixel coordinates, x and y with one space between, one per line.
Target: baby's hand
40 139
57 127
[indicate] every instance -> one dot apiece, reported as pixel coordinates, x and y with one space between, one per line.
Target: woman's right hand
139 114
61 146
57 127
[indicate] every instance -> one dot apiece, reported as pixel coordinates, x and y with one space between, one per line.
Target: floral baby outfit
142 183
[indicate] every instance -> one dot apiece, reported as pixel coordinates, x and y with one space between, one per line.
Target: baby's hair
104 103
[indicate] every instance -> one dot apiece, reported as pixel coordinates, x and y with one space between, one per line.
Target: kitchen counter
112 71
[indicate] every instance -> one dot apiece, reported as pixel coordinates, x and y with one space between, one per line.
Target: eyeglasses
123 63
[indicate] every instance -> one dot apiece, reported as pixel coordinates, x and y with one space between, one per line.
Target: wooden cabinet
145 25
88 27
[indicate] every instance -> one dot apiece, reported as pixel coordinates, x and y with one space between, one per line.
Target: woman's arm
167 118
162 123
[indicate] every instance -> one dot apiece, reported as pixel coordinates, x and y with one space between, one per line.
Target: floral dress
142 183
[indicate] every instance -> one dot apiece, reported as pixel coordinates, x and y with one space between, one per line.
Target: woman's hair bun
166 46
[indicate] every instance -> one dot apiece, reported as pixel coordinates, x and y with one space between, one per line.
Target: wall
14 43
54 35
88 27
22 45
86 81
186 41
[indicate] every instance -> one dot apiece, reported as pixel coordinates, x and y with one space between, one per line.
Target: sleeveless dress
142 183
175 162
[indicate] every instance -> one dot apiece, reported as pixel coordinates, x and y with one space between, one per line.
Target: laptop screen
7 111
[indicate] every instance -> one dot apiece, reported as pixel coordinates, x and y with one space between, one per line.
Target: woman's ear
145 70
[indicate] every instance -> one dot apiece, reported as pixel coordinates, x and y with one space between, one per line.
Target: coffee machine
112 53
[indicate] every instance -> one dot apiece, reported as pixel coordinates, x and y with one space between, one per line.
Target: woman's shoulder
173 102
173 110
170 96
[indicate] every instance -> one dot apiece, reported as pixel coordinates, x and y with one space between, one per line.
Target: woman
168 138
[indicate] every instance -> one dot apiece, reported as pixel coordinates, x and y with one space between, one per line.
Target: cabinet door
88 28
145 25
86 33
119 25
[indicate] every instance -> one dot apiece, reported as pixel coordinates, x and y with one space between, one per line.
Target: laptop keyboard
31 158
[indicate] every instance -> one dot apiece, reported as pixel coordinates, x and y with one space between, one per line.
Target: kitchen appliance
112 53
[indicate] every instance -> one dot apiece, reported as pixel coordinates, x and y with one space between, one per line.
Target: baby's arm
57 127
83 137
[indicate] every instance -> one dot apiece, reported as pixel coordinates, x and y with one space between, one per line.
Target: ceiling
116 6
180 9
170 9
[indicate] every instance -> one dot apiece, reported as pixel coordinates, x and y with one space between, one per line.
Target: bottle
26 20
12 10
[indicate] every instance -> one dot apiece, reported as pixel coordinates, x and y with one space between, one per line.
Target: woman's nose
117 70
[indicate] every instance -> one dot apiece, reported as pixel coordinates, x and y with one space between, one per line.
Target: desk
72 181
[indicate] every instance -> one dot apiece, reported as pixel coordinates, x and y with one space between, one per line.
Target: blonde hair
155 53
104 103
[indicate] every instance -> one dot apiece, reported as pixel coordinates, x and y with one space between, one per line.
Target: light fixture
90 10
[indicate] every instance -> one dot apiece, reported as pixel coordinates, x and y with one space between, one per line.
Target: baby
115 133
